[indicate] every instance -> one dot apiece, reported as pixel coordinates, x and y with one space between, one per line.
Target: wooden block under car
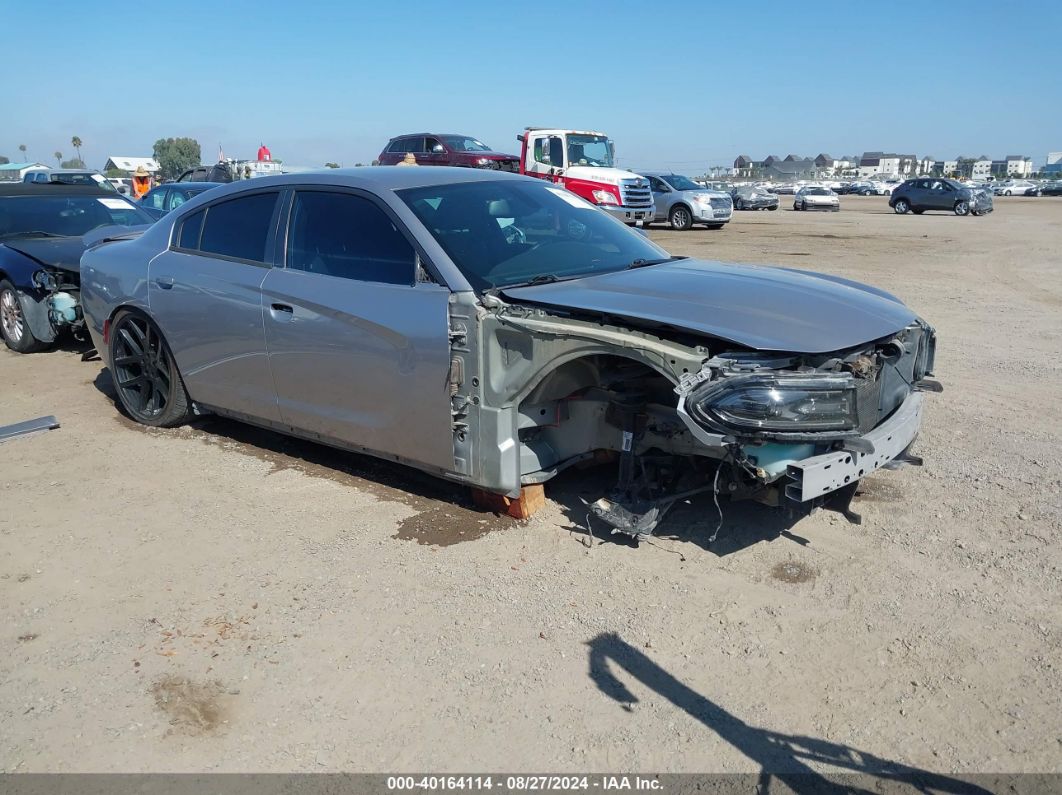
531 500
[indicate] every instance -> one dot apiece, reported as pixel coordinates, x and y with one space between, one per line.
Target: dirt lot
220 598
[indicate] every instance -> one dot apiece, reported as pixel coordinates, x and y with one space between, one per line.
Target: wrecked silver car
494 330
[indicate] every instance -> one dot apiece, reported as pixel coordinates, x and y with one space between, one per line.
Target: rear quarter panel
114 275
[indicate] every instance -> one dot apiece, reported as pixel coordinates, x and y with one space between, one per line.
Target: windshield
816 191
589 150
461 144
82 178
679 182
66 215
505 233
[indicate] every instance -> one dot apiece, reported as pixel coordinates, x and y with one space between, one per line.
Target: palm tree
58 157
22 149
76 143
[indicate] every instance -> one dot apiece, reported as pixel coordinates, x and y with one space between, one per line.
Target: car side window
430 144
347 236
190 231
177 198
237 228
396 146
657 185
415 145
157 199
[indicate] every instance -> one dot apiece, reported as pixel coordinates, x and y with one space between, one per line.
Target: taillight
107 331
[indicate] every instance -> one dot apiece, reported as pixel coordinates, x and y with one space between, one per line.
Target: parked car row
479 325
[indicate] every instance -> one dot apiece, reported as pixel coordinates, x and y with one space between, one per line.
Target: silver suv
681 202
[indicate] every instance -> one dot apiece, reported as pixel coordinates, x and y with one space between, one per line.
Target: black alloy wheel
145 375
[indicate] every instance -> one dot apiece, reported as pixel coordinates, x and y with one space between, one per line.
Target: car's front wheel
680 218
901 207
13 326
1007 193
145 373
962 207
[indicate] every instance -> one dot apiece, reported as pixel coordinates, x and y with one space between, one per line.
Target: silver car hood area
759 307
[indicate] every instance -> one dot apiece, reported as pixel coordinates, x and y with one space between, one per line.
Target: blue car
164 198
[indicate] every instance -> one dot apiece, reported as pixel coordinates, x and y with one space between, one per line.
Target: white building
949 167
131 164
1019 166
886 164
982 168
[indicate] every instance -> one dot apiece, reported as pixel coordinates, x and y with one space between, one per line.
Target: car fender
19 269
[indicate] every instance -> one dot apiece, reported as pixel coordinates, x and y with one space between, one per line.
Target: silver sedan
815 197
495 329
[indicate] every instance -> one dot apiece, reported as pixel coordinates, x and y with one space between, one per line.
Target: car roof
376 178
189 184
52 189
434 135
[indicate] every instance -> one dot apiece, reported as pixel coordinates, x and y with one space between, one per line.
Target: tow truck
583 162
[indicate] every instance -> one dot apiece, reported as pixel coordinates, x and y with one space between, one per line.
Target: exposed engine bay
62 299
787 430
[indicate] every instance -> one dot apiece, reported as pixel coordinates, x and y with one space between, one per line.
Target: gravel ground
218 598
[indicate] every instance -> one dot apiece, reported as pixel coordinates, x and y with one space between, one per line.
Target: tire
13 326
962 207
740 205
772 209
680 218
1007 193
901 207
149 386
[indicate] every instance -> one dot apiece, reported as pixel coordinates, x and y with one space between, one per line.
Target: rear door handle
282 312
165 282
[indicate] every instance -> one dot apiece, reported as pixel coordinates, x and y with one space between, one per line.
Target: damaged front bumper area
797 429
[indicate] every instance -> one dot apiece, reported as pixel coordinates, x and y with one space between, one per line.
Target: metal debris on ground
29 426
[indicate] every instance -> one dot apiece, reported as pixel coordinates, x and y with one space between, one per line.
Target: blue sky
680 86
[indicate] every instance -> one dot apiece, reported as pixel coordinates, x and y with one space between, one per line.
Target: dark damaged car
41 243
493 329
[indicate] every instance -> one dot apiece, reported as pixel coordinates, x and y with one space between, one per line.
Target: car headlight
605 197
777 402
486 162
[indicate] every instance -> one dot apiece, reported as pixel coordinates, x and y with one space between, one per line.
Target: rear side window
192 227
239 227
347 236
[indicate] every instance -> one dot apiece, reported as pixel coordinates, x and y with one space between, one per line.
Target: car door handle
165 282
282 312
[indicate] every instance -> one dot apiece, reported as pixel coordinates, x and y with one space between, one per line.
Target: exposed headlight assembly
777 403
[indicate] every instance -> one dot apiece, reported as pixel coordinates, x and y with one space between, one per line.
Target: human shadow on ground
790 759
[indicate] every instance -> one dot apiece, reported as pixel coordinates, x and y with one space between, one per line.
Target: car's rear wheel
901 207
13 326
145 374
962 207
680 218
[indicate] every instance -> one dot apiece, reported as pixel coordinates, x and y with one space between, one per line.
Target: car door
359 349
154 203
938 195
205 294
661 198
431 156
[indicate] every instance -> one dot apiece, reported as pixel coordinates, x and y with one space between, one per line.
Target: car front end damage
682 415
